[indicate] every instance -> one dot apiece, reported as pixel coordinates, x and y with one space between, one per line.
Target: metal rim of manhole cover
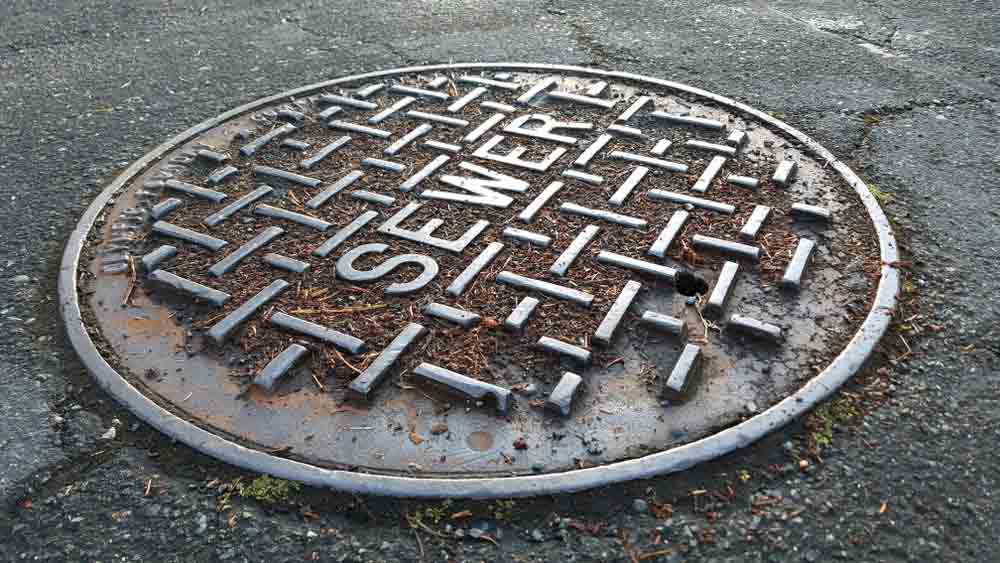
479 280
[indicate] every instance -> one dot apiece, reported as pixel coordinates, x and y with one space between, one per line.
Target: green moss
838 411
268 489
435 514
881 196
502 509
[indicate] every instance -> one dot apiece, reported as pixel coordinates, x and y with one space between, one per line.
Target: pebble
110 434
640 506
201 523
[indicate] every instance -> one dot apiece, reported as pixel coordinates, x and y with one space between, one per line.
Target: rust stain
480 441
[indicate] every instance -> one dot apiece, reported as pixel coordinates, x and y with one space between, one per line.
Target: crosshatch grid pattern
486 177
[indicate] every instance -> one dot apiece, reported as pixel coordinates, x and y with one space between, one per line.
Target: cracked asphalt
902 466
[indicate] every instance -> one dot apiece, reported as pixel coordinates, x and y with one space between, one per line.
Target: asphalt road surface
907 467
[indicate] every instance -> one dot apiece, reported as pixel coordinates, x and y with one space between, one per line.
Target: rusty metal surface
156 339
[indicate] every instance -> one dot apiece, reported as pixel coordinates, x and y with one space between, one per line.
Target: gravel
89 86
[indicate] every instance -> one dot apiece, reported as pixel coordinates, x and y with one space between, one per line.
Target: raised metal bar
462 281
192 288
743 181
413 135
252 147
661 245
727 247
630 183
424 173
279 366
196 191
226 265
221 330
797 267
716 305
348 102
755 222
452 314
713 147
345 233
551 289
591 179
676 386
611 217
324 152
300 218
355 128
286 176
528 214
689 121
521 314
811 212
695 201
194 237
372 197
236 206
665 323
471 388
711 171
343 341
442 119
587 155
549 344
162 209
376 372
640 266
785 173
286 263
606 330
650 161
561 398
527 237
568 256
334 189
153 259
754 327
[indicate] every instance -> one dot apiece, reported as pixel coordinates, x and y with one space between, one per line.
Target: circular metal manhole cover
470 280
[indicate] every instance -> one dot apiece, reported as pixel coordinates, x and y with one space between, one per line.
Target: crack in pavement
599 54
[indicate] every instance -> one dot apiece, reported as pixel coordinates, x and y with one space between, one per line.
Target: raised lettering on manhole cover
405 273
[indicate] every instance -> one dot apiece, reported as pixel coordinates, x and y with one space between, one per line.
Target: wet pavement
904 92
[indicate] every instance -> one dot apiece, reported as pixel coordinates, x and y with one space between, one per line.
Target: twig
319 383
346 363
618 360
490 539
414 522
909 351
131 281
149 486
420 543
355 309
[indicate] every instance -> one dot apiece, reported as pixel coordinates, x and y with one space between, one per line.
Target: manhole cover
474 280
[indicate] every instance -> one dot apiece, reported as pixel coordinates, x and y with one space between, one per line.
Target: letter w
481 189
